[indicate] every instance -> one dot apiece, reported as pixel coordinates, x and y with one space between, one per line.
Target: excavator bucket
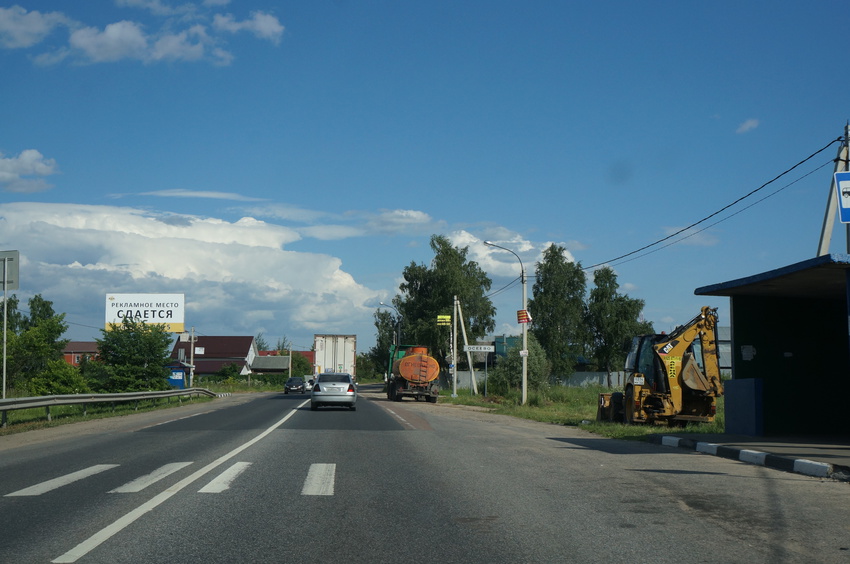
692 376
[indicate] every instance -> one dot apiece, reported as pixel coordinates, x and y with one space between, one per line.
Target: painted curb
775 461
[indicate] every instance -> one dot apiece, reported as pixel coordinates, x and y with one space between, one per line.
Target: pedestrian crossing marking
56 483
222 481
142 482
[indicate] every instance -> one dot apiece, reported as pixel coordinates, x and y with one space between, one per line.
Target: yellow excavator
673 379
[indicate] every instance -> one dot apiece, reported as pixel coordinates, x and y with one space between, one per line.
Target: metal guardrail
47 402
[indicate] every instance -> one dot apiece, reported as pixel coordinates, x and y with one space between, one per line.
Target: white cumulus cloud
262 25
185 32
232 273
120 40
19 28
25 173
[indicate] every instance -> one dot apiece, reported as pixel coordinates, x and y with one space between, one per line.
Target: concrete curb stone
768 460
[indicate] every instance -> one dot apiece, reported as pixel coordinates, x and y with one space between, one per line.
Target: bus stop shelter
790 349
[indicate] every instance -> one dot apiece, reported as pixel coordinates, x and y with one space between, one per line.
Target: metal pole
192 359
397 324
524 352
454 348
5 317
841 165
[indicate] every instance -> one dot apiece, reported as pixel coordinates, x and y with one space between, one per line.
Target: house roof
270 364
80 347
821 277
216 347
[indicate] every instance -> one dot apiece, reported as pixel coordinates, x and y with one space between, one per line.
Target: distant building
214 353
76 351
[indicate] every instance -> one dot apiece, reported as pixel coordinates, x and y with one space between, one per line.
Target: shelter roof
821 277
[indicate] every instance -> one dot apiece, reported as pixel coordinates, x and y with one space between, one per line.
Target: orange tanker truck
413 373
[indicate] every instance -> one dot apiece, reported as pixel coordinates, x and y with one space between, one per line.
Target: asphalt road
261 478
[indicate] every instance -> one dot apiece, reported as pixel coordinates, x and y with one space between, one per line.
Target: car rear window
334 378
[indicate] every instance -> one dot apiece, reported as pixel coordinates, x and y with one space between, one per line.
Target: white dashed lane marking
320 480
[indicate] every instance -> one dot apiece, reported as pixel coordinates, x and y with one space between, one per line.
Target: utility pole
192 358
842 164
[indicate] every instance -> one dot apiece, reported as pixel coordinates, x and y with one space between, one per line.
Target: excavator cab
643 363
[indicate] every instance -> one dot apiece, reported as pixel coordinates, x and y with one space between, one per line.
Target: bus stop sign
842 185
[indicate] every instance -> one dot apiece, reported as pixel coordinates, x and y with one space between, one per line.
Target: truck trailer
335 353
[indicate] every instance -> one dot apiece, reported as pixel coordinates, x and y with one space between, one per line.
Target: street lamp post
397 325
524 352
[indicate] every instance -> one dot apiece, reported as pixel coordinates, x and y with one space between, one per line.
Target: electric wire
689 235
721 210
506 287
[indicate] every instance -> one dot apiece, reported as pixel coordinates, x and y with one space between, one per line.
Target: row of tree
570 325
132 357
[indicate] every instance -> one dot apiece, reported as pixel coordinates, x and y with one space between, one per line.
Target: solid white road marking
400 418
55 483
173 420
142 482
122 522
223 481
320 480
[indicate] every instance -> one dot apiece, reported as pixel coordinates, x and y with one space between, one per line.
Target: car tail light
316 388
351 388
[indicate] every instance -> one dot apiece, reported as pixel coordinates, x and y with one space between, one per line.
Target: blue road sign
842 185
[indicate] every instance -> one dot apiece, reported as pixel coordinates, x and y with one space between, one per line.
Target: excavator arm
677 355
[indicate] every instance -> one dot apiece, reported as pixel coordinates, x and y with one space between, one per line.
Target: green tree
386 325
507 375
133 356
34 342
260 341
429 291
366 369
613 320
13 317
558 309
283 344
300 365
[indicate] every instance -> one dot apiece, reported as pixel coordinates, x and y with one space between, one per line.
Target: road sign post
10 282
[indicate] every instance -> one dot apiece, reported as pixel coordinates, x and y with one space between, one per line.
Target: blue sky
280 163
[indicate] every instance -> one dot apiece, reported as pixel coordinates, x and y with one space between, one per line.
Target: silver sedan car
334 388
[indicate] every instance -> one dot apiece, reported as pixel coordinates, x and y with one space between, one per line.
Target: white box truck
335 353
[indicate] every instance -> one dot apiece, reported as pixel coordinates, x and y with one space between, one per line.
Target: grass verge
575 407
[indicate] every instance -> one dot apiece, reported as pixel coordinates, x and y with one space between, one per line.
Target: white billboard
159 309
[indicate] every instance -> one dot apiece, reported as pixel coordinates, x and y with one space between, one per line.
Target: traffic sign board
842 185
9 269
479 348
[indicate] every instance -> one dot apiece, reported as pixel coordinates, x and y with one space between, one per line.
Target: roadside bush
59 378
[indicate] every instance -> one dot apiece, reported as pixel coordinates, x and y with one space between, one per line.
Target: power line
724 208
505 288
689 235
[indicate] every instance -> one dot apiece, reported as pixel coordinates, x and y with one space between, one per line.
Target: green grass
561 405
